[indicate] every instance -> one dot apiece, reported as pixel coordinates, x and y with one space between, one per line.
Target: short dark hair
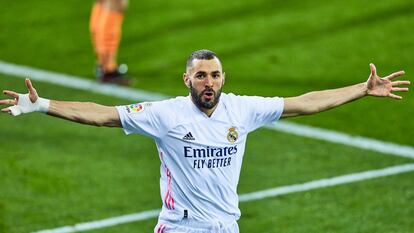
202 54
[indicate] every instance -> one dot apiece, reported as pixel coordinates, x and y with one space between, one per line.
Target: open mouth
208 94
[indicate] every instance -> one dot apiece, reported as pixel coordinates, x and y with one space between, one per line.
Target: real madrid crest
232 135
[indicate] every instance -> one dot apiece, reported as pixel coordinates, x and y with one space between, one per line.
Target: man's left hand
377 86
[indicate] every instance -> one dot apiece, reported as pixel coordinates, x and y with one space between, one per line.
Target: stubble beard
198 98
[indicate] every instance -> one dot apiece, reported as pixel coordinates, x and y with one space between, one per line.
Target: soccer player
201 137
105 26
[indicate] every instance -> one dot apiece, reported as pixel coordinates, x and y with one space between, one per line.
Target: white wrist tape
24 105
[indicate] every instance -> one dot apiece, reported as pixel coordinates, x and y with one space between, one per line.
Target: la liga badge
135 108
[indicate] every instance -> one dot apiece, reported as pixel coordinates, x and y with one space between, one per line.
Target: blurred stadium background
54 173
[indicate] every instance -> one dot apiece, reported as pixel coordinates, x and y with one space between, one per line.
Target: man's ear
186 79
224 78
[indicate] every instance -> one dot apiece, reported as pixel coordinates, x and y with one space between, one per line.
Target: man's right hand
24 103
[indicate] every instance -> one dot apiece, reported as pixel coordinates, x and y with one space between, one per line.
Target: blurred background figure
105 26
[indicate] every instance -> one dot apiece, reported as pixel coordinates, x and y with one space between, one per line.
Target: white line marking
135 95
322 183
345 139
78 83
105 222
274 192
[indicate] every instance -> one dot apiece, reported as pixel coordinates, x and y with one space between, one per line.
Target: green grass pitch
55 173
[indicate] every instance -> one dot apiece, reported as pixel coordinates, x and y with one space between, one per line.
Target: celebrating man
201 137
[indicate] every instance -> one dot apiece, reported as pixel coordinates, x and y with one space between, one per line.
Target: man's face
205 79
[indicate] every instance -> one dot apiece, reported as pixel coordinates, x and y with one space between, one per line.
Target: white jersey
201 156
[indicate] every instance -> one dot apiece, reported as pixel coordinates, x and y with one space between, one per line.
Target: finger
10 102
32 91
395 75
11 93
399 83
29 86
403 89
7 110
15 110
373 69
397 97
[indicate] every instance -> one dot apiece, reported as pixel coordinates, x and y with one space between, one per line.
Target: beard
198 97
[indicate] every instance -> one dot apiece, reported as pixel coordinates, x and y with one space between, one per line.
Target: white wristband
43 105
24 105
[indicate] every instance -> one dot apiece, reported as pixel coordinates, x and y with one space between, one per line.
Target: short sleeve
262 110
148 118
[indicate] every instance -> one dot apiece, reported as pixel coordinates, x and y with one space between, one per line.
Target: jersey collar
216 113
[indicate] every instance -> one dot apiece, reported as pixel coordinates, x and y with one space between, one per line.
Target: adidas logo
188 136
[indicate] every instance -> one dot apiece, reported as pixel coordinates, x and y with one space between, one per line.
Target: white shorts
192 226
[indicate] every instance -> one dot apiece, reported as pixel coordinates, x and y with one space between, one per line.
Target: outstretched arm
81 112
318 101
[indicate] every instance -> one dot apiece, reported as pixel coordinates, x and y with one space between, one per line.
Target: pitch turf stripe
345 139
105 222
274 192
135 95
78 83
355 177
